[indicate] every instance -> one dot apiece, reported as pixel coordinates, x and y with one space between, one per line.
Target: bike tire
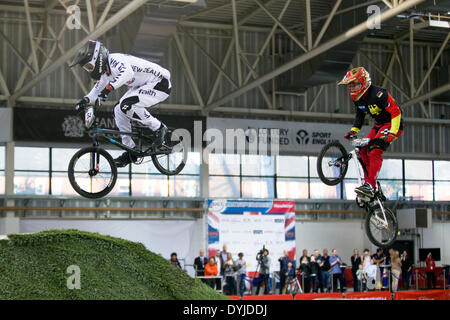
76 186
179 167
320 159
394 233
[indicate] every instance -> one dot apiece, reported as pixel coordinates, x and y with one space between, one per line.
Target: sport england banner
287 137
248 225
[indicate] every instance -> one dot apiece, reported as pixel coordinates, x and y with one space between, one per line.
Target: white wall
438 237
341 235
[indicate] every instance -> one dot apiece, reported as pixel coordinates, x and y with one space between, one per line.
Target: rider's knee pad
127 103
378 143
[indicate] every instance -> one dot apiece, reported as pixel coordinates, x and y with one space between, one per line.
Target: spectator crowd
316 272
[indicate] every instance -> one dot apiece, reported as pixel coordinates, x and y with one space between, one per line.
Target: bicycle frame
356 159
101 133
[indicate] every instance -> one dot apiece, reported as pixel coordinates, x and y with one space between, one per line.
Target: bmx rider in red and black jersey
379 103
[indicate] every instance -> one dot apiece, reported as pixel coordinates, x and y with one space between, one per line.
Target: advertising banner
56 125
293 137
422 295
370 295
248 225
312 296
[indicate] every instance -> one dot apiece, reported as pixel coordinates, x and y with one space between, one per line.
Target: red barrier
370 295
269 297
312 296
423 295
234 297
422 277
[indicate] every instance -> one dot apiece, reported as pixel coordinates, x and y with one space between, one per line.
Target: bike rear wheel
332 163
92 172
174 159
379 234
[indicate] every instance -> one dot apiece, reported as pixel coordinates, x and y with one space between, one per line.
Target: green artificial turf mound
34 266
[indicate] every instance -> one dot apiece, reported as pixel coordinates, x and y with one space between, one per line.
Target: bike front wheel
173 156
381 232
92 172
332 163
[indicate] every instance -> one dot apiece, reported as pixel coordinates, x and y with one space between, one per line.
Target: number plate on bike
360 142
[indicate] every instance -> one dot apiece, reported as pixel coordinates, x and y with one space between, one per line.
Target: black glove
82 104
349 135
104 94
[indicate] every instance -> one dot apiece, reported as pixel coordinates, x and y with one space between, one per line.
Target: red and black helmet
360 75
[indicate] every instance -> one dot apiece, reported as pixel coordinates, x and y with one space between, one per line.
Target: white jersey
128 70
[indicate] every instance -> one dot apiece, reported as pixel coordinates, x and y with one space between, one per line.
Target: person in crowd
223 258
264 271
230 288
284 260
211 270
379 259
396 268
335 263
219 262
366 259
304 254
430 270
174 260
361 277
318 257
324 263
305 272
290 278
372 274
356 261
199 264
406 270
241 267
314 273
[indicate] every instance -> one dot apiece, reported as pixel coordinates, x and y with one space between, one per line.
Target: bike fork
356 161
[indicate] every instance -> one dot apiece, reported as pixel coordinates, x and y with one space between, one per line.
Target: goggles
89 66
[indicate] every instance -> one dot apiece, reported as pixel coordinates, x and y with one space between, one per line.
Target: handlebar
89 115
359 142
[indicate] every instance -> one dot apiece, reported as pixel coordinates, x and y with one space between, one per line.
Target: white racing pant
132 106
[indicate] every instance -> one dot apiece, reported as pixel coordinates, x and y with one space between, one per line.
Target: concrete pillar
204 193
9 223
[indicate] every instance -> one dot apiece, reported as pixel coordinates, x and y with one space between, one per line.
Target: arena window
441 180
419 179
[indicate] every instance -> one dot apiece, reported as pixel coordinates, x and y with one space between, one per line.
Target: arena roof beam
432 93
236 42
30 35
288 32
18 54
268 38
327 23
436 58
187 68
3 85
362 27
110 23
105 13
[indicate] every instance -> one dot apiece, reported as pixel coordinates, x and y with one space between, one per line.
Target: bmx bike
332 164
92 171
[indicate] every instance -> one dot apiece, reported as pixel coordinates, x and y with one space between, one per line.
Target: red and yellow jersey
381 106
